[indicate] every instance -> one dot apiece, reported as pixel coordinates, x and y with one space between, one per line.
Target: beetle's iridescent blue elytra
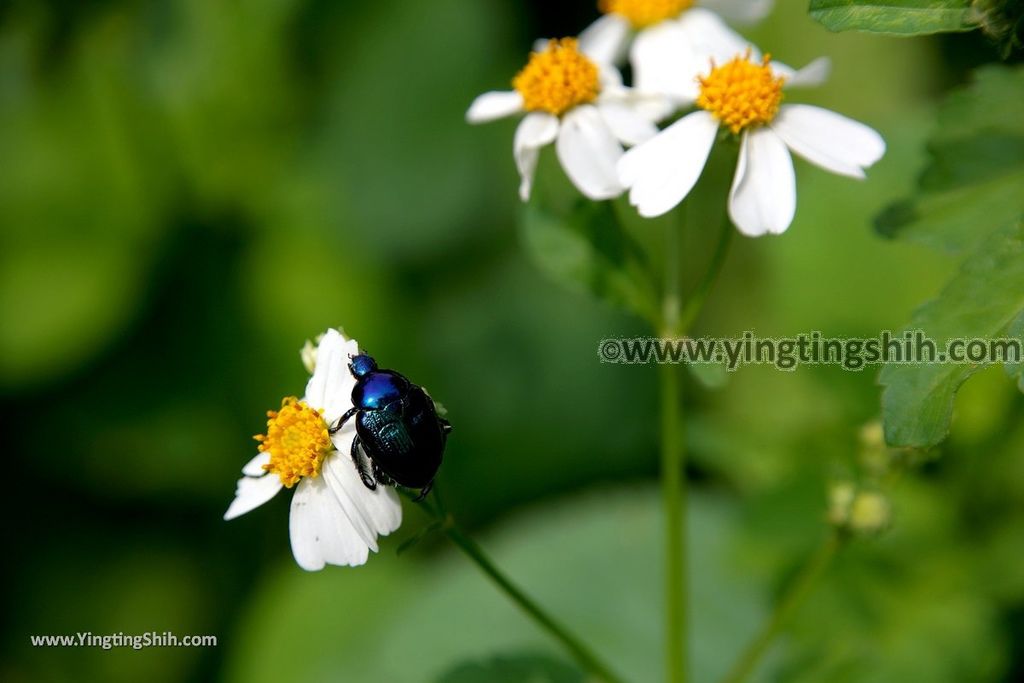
398 429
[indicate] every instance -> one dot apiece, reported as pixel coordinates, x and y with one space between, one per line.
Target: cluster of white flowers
683 56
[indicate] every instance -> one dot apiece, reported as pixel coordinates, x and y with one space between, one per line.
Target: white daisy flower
668 35
334 519
744 96
578 103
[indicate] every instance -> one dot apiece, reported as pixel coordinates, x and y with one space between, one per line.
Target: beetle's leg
381 476
424 491
359 458
342 420
446 426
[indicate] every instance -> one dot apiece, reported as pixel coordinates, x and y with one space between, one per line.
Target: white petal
663 170
352 513
251 492
254 468
627 125
829 140
320 531
535 130
605 40
330 387
589 151
342 439
494 105
611 79
665 63
740 11
709 37
763 196
379 511
655 107
814 73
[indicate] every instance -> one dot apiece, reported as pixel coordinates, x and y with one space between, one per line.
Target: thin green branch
797 592
673 470
583 655
674 494
700 294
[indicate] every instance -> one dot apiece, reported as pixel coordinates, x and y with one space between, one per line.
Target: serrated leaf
520 668
972 183
981 301
957 219
992 101
586 249
900 17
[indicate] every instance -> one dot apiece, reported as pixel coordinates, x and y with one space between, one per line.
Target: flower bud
870 513
840 500
308 354
872 435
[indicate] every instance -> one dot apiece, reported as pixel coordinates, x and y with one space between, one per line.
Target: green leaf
1016 370
981 301
968 195
956 220
514 669
972 183
900 17
586 249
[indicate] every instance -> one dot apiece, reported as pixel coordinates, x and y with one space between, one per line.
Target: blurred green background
189 190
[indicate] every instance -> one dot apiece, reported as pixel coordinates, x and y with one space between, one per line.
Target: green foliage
900 17
969 203
74 158
593 561
1016 370
710 375
982 301
514 669
971 185
586 249
191 189
1003 20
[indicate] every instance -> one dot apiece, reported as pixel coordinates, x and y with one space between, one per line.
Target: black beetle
397 429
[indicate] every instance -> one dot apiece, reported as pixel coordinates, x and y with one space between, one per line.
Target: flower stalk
798 591
673 466
678 316
580 652
674 494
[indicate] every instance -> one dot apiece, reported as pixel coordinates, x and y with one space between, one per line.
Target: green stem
797 592
700 294
676 320
583 655
673 475
673 491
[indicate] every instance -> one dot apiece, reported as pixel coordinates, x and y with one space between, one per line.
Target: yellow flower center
558 79
297 440
741 93
643 13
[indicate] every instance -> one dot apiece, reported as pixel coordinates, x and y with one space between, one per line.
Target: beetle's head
362 365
